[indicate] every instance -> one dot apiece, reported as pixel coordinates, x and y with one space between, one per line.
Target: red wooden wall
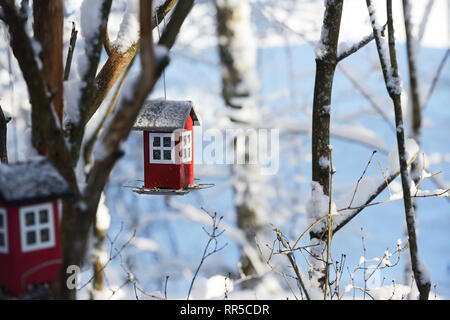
170 176
20 269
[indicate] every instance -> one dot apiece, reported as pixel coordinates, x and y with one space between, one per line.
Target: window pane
2 240
156 154
189 154
188 138
184 153
31 237
167 155
167 142
1 221
45 235
43 216
156 141
29 219
184 140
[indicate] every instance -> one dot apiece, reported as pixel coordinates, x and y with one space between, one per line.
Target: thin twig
292 261
361 177
359 45
282 274
111 258
73 41
436 78
330 223
213 236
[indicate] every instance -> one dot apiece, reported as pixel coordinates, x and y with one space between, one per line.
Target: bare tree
326 62
44 88
389 67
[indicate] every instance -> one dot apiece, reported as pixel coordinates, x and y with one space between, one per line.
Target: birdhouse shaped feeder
168 146
30 211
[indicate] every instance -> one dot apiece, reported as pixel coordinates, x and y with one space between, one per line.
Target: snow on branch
391 78
129 28
355 47
94 19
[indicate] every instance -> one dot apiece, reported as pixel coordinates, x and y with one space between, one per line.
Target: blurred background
164 236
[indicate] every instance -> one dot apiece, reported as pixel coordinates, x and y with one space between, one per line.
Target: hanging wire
159 35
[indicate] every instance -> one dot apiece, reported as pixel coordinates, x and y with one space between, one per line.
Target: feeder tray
169 192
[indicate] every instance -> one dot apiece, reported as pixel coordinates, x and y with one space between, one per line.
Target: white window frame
161 148
4 230
37 227
186 146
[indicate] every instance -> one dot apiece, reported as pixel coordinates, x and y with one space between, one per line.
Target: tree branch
370 198
325 68
89 145
73 41
3 137
107 43
366 92
326 62
48 30
93 50
76 228
355 47
46 134
436 78
390 74
118 61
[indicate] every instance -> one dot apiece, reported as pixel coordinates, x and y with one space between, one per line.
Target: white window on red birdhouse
3 232
187 146
162 148
37 227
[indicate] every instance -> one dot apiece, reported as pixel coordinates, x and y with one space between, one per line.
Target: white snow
321 48
37 48
411 149
103 220
212 288
129 28
90 17
324 162
425 272
146 244
72 89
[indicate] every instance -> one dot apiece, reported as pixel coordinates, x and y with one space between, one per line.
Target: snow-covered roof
33 181
165 115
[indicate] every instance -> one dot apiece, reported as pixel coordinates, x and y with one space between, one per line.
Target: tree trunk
48 30
392 81
415 104
240 84
326 62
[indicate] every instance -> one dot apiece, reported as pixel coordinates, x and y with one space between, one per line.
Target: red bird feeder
30 212
168 147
